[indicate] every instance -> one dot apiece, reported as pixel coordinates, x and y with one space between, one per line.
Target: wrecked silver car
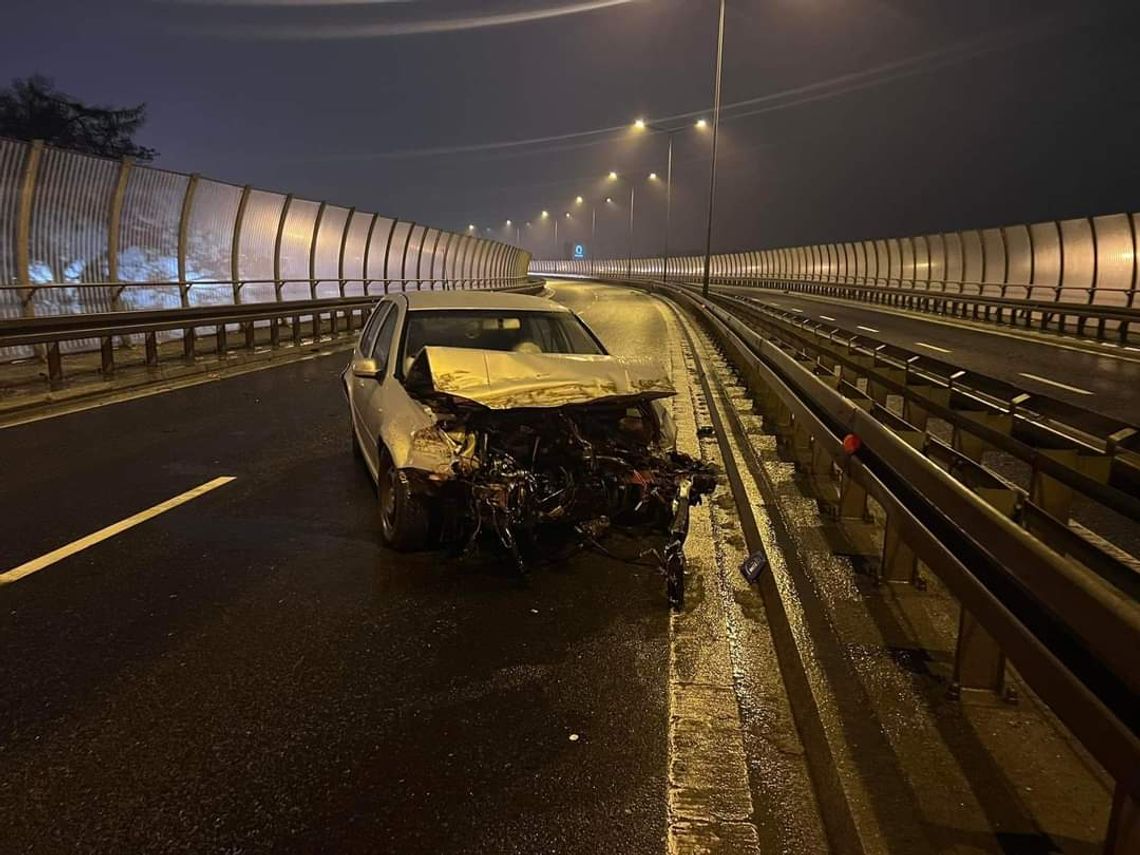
494 413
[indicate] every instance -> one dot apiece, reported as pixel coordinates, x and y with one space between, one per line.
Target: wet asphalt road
1106 383
252 671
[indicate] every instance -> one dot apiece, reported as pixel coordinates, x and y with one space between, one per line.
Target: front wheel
404 516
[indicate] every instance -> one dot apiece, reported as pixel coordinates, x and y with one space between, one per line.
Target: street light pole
629 263
668 207
716 129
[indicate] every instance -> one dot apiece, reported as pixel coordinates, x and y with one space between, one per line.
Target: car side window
368 337
383 344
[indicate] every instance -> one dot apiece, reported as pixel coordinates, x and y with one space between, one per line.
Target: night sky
846 118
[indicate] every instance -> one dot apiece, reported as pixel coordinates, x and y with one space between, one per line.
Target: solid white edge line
933 347
868 329
37 564
1055 383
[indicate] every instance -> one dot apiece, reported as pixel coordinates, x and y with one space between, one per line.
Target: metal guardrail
1090 260
1072 639
86 234
1106 321
343 315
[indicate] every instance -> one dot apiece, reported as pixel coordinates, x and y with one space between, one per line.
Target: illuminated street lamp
642 125
632 199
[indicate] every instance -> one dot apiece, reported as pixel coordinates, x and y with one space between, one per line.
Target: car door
367 393
355 390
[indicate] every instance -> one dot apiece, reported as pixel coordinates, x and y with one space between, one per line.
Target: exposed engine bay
587 466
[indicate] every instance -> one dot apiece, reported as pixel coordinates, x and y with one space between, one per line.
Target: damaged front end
519 441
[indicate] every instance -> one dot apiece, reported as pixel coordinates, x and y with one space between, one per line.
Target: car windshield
522 332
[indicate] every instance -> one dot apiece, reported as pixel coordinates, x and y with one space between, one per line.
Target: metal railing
288 322
1025 590
1089 262
85 234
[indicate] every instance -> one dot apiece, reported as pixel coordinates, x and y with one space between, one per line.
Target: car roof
461 299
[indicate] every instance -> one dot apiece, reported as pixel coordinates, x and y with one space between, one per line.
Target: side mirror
369 369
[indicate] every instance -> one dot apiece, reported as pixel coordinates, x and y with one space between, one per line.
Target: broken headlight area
584 467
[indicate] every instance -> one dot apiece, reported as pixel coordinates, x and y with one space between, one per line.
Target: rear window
524 332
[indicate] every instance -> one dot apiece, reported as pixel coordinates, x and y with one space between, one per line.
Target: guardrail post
151 347
972 445
55 364
1056 498
107 355
899 563
979 663
852 500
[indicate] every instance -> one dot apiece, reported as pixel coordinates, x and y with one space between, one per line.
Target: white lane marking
1055 383
868 329
933 347
36 564
826 318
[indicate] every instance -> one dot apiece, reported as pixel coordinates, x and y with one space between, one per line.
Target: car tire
404 517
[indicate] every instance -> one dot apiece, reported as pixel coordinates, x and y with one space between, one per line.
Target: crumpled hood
503 380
